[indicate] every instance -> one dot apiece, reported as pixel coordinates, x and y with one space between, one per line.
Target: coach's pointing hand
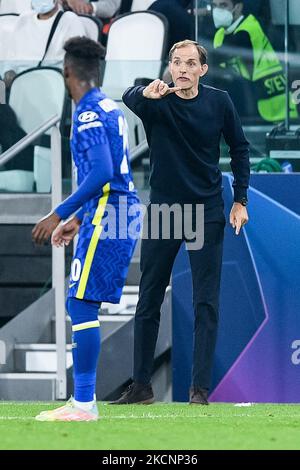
158 89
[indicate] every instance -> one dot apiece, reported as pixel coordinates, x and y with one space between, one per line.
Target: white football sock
84 405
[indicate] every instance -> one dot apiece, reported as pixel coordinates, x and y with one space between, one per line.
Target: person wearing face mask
243 49
25 46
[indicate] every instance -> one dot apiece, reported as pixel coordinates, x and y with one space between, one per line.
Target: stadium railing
58 256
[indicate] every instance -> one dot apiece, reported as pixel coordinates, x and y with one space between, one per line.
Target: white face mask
222 18
42 6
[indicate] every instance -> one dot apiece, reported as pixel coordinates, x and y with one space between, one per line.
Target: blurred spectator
25 46
101 8
244 51
181 23
10 133
258 8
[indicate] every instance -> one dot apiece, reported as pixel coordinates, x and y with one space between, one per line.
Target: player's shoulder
95 108
88 106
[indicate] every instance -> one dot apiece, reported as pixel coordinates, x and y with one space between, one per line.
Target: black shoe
136 393
198 396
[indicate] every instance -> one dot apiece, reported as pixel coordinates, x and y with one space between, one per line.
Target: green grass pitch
156 427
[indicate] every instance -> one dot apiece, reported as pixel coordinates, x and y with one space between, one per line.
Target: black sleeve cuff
239 194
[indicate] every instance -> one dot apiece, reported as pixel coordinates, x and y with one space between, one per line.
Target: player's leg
206 267
86 333
85 350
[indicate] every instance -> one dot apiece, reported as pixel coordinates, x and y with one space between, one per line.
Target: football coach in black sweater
184 124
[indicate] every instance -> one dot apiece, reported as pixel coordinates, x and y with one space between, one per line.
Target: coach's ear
204 70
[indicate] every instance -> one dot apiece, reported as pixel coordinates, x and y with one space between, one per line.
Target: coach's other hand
44 228
158 89
238 217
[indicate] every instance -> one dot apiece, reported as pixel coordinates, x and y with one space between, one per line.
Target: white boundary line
108 418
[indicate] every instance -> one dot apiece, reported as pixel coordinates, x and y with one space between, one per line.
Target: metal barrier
58 254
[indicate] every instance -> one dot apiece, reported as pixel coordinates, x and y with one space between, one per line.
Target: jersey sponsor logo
88 116
84 127
108 105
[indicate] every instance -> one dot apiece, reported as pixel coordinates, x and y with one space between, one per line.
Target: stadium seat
139 5
92 26
135 48
36 95
15 6
7 22
19 181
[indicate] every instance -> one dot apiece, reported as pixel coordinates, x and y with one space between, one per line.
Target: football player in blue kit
100 151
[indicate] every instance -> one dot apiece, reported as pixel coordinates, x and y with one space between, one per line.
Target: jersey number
76 270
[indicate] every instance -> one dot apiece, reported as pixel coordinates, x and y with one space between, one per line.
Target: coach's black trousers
157 259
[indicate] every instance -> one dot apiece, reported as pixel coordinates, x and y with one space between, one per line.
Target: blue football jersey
98 120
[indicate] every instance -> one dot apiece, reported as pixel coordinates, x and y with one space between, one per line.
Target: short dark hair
187 42
84 55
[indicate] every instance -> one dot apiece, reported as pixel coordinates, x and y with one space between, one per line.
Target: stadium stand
49 89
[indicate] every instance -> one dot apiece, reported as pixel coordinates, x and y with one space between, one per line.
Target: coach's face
186 68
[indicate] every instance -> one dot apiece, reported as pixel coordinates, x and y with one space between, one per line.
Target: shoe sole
150 401
197 403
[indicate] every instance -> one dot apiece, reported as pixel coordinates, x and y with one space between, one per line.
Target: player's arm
101 172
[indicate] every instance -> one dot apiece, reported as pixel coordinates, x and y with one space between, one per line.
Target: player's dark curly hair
84 55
